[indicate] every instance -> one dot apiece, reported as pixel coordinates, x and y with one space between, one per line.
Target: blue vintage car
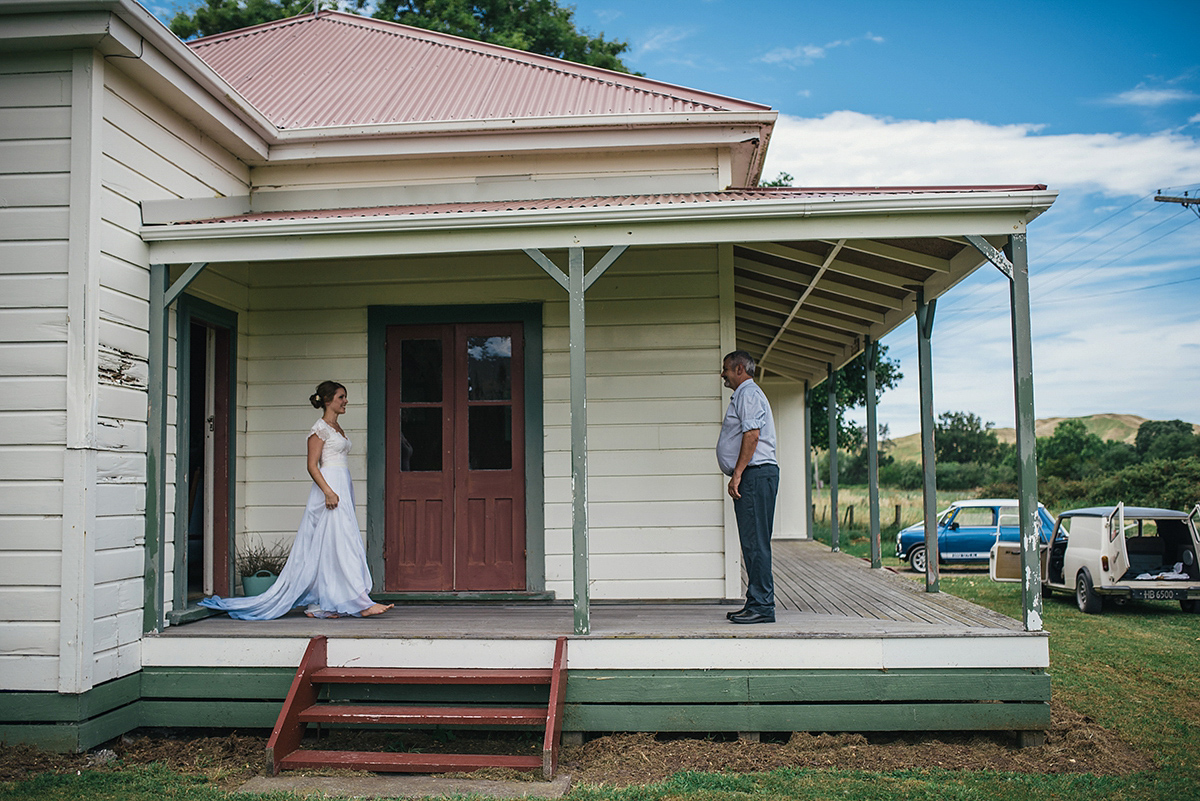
967 531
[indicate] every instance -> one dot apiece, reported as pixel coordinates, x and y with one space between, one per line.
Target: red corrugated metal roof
692 198
342 69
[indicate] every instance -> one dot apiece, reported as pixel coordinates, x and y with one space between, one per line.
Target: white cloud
807 53
802 54
1105 338
1150 98
847 148
662 39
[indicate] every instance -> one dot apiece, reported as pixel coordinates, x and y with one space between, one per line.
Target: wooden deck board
819 594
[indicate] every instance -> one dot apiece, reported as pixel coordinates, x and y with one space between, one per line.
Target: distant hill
1122 427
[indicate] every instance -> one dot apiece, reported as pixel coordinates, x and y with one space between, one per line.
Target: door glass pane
421 439
489 444
489 368
421 371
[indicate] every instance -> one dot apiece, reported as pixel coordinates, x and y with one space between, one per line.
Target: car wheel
916 559
1085 594
1190 606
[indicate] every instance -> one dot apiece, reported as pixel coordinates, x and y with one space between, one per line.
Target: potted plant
259 565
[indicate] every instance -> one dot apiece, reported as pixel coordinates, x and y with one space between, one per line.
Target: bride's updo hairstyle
324 394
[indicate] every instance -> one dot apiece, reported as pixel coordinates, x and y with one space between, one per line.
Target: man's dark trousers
755 513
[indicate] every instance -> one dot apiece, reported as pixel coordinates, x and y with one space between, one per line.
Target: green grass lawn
1133 669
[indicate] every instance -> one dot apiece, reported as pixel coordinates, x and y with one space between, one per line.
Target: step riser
422 676
406 763
533 719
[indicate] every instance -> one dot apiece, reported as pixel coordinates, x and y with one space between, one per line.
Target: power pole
1188 202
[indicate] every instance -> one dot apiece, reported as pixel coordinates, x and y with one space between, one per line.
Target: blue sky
1098 100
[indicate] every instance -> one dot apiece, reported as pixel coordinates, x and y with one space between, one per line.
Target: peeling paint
121 368
1033 622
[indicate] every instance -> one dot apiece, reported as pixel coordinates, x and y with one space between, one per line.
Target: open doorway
203 506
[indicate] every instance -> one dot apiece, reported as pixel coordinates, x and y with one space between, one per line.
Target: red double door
455 486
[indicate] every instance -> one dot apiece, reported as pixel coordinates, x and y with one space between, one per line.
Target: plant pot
259 583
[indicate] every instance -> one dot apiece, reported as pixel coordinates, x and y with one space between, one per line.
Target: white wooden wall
654 401
35 130
149 153
515 176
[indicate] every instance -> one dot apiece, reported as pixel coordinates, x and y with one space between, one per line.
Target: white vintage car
1116 552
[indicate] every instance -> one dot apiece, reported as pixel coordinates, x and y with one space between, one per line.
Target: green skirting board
597 701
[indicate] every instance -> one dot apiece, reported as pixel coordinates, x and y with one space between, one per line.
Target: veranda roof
816 270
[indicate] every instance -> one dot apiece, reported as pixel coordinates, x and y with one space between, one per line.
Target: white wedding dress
327 567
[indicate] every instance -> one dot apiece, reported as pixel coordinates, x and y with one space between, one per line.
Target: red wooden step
465 715
406 763
344 675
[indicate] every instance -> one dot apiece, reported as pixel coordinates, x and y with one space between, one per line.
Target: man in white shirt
746 453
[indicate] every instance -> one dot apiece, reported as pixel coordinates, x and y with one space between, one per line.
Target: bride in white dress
327 568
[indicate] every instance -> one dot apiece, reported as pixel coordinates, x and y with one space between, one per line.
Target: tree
537 26
851 392
1165 439
218 16
783 179
1071 452
964 437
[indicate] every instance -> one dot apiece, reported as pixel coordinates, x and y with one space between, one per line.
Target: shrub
961 475
901 475
1169 484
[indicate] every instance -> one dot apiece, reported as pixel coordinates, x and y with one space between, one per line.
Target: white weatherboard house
192 236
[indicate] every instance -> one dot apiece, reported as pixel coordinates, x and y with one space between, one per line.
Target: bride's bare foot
376 609
323 615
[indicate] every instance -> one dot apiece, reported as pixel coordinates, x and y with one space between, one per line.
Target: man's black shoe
751 617
730 615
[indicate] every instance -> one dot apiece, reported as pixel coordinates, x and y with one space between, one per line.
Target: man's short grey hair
743 358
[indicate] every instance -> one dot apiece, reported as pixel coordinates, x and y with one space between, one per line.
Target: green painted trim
51 707
805 686
73 737
156 441
204 682
530 314
177 617
187 309
806 717
212 714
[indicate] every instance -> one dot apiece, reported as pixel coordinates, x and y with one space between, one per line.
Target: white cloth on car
1168 575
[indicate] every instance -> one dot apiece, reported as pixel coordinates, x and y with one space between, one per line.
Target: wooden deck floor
819 594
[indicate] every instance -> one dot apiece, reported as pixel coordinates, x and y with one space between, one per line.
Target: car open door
1114 545
1004 561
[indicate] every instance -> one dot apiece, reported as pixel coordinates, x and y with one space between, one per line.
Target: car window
1141 528
976 516
944 519
1010 515
1063 529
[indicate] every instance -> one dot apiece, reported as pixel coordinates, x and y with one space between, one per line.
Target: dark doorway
205 407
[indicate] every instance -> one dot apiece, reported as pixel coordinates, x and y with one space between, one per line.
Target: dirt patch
1074 744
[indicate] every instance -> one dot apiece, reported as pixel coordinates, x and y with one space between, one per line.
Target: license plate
1160 595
